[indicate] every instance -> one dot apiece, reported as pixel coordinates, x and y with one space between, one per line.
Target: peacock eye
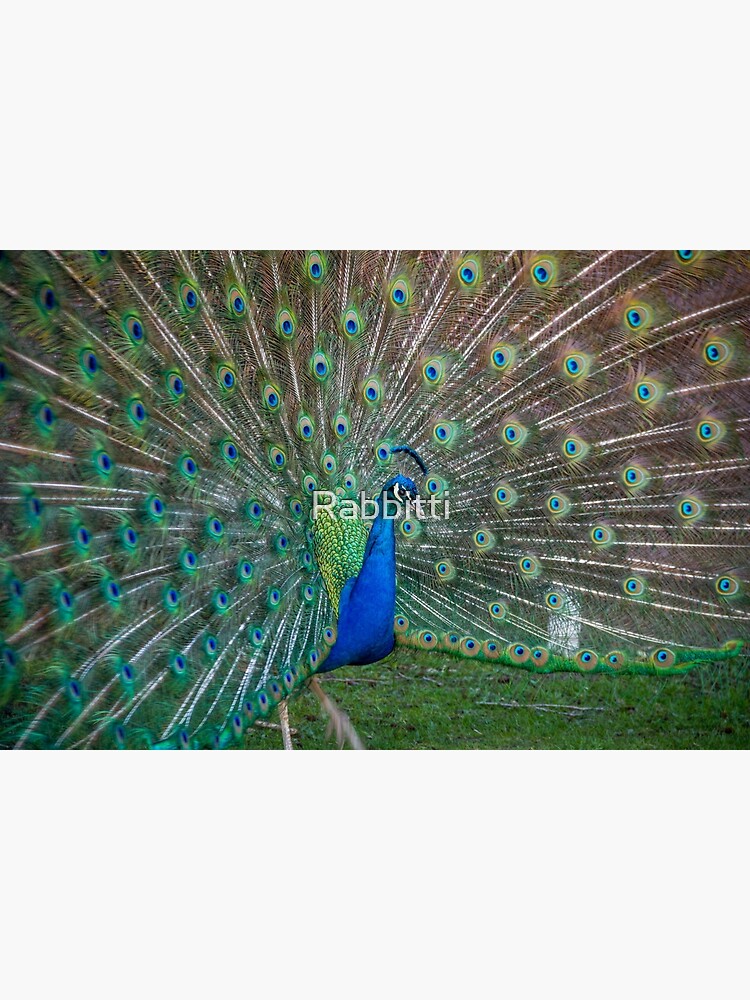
352 323
47 415
47 298
236 301
468 272
686 255
189 296
315 266
103 462
89 363
710 431
175 384
400 292
541 274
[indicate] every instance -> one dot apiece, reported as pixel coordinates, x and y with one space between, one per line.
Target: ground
415 700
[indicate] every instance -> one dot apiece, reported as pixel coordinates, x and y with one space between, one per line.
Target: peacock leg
286 734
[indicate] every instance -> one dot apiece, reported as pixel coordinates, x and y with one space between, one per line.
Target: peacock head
400 488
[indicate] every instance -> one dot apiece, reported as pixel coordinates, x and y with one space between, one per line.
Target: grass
417 701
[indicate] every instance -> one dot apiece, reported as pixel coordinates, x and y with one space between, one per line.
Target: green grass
416 700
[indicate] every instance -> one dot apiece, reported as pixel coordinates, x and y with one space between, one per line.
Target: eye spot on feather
383 452
47 298
400 624
468 272
45 416
602 535
400 293
574 448
104 462
638 317
505 496
663 658
690 508
321 366
497 610
427 639
274 597
686 256
540 656
245 570
136 411
483 539
178 663
188 296
133 327
635 477
709 431
433 371
513 433
576 366
648 391
372 390
341 426
214 527
277 457
543 272
175 384
271 397
445 570
717 352
89 363
285 324
727 586
586 659
236 301
558 505
316 266
221 601
529 566
254 510
351 323
555 601
443 432
518 652
503 356
634 586
210 645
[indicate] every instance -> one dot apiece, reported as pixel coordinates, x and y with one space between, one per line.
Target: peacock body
170 417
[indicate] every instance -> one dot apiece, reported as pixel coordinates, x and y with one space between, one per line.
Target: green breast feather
339 545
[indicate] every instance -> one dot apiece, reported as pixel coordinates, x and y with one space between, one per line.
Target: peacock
225 474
